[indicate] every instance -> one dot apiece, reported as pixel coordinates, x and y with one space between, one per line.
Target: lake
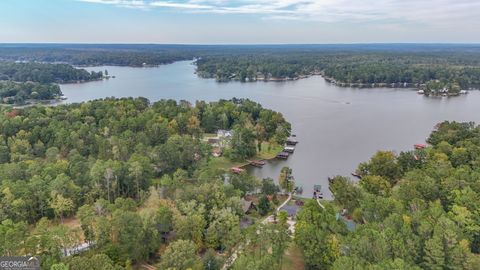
337 127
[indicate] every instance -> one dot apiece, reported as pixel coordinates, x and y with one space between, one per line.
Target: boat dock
317 192
291 141
283 155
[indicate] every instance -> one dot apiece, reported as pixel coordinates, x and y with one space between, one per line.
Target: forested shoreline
125 183
352 69
415 210
19 92
382 65
28 82
135 178
135 175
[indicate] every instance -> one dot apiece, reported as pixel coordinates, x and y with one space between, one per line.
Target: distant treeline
357 68
349 65
96 56
22 82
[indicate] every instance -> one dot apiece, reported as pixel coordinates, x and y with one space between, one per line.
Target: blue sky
239 21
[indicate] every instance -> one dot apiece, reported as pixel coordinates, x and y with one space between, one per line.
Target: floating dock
291 141
283 155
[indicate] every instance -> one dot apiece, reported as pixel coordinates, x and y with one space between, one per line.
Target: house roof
292 210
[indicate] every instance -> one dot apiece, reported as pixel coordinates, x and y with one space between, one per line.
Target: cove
337 127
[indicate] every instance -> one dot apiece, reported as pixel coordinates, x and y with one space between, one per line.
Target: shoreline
405 85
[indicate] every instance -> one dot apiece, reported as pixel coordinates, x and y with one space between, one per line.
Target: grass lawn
293 259
223 163
269 151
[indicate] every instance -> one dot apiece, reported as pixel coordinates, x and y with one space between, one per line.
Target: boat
356 175
463 92
257 163
291 141
419 146
289 149
298 190
283 155
421 92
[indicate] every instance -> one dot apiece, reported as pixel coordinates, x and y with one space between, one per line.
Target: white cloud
434 12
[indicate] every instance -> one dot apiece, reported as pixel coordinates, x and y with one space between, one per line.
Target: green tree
286 180
180 255
61 206
375 184
264 205
243 143
269 187
317 234
224 230
384 164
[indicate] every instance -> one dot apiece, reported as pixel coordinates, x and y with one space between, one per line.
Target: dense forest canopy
359 65
17 92
134 173
134 181
358 68
415 210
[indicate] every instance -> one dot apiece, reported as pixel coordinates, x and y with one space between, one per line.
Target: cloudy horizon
240 21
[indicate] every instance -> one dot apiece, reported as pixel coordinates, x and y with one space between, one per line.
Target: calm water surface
337 127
